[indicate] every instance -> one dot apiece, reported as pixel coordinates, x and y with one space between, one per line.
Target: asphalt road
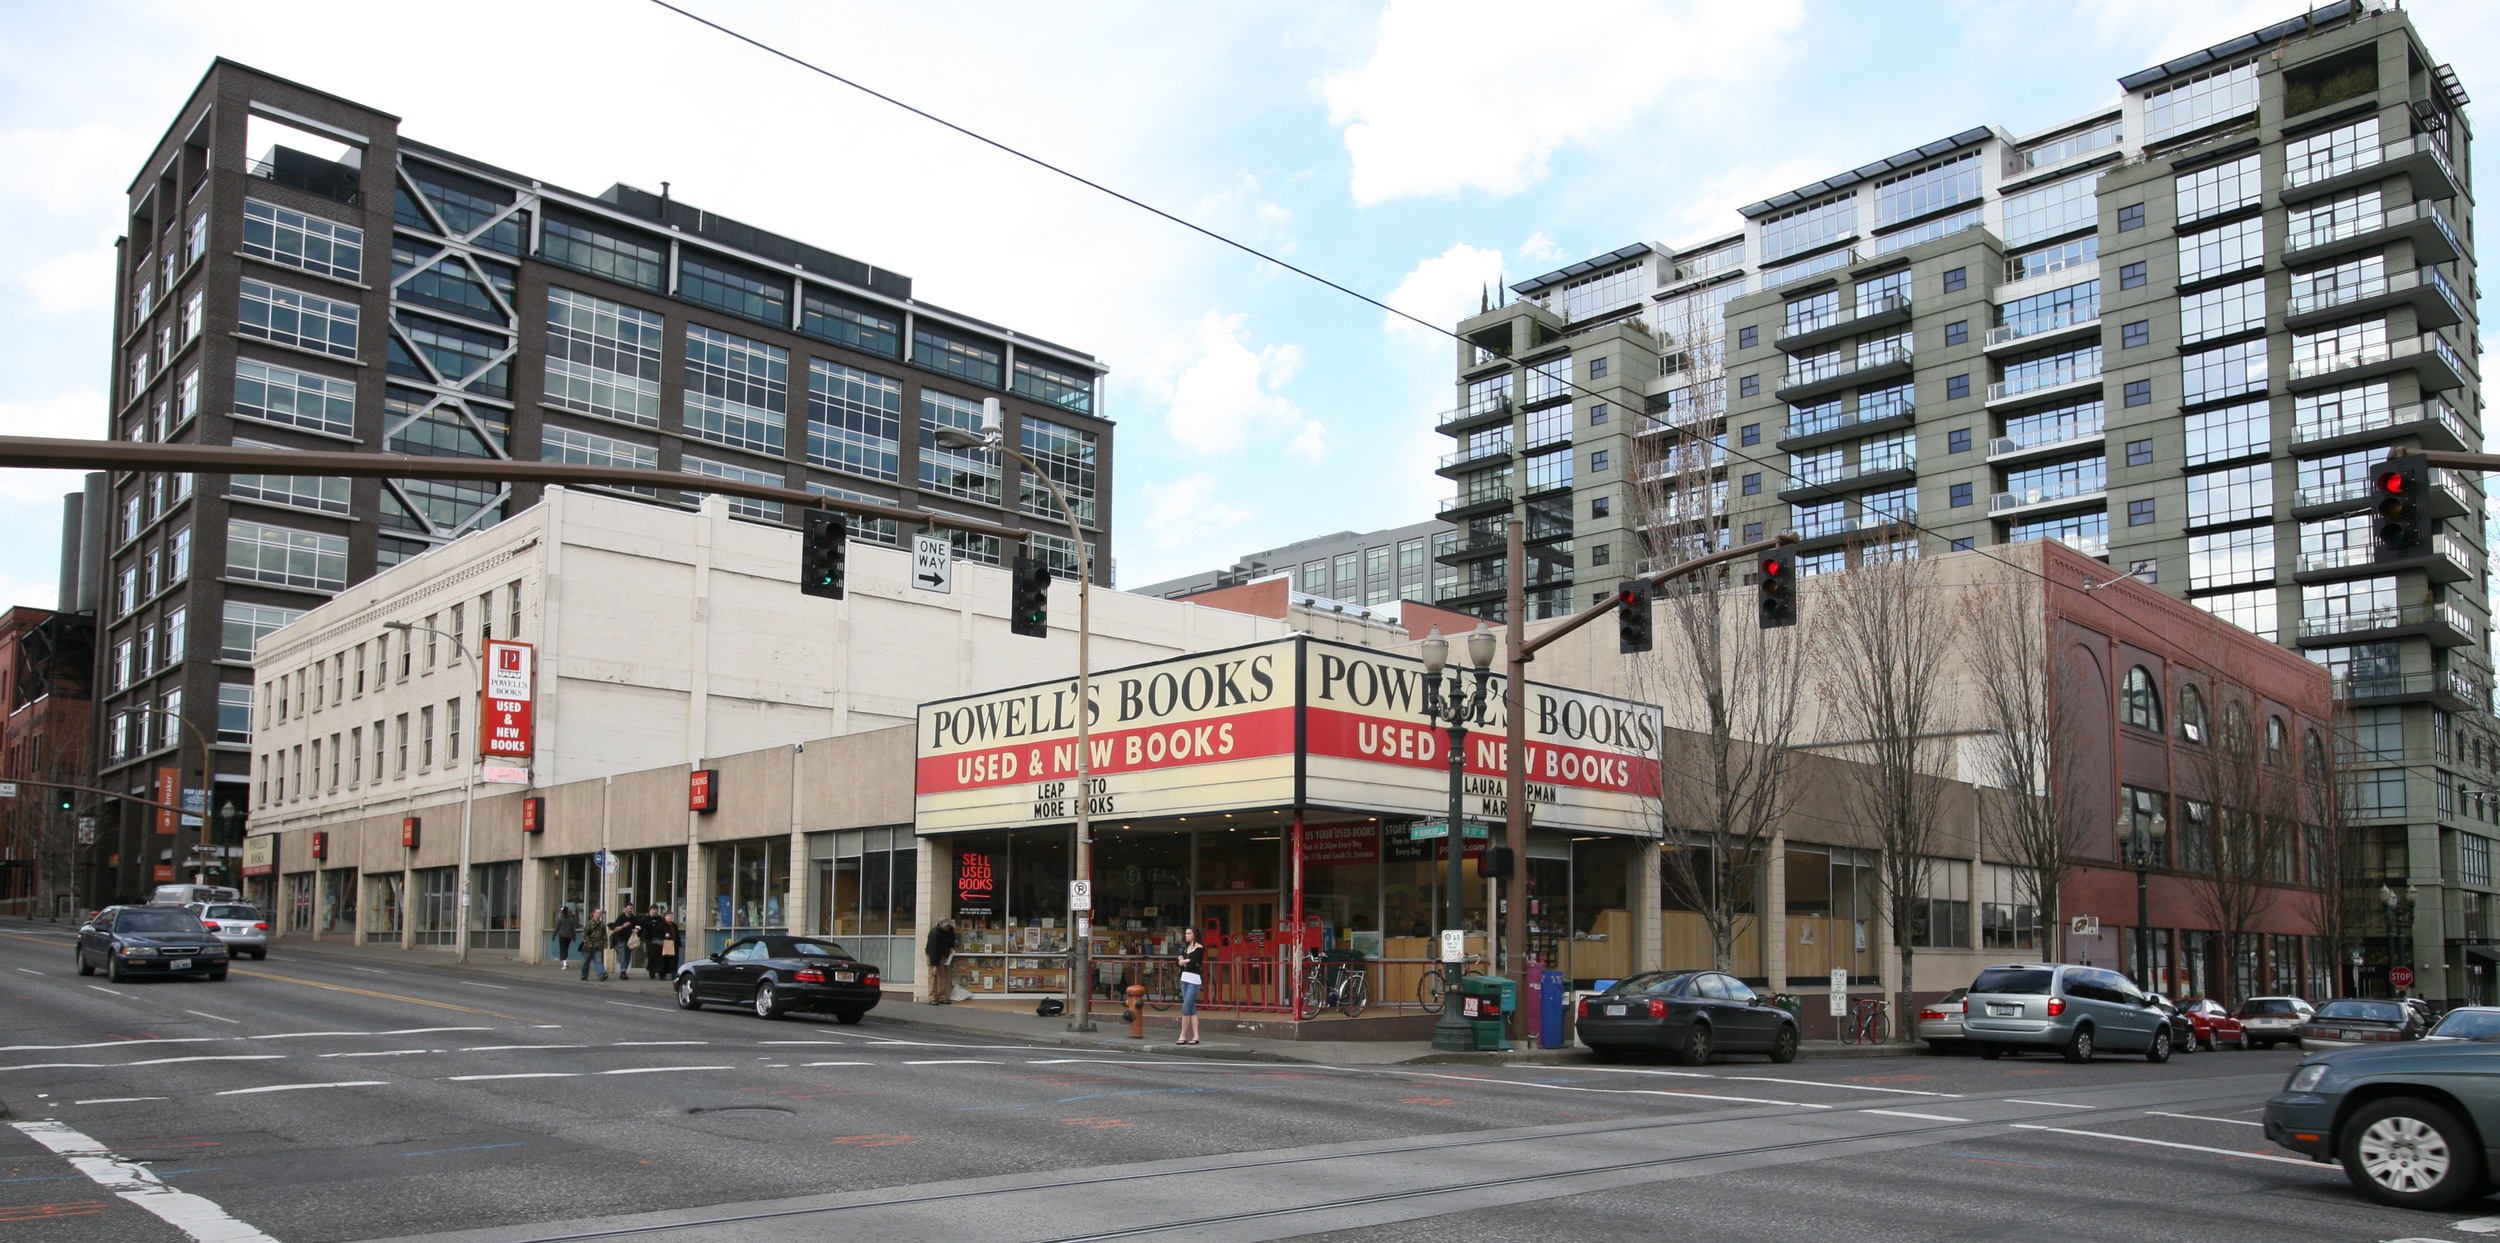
314 1097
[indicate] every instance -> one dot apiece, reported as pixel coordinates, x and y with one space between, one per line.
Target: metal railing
2317 235
1850 418
1884 304
2079 315
347 192
2387 617
2036 381
2068 490
2050 435
1840 474
2402 282
2431 409
2378 352
2343 493
1845 363
1471 453
2448 682
1478 496
2370 157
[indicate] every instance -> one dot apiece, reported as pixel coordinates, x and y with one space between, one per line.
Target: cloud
1185 511
1443 104
30 500
70 171
1224 395
1443 289
1710 209
73 284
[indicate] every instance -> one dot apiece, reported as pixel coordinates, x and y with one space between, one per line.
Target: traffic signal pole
1513 923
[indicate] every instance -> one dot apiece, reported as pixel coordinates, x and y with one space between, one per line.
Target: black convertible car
779 975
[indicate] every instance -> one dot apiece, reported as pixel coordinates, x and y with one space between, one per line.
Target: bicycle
1349 990
1868 1024
1433 991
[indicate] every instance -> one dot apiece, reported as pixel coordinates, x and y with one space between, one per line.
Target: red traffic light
1771 566
2392 481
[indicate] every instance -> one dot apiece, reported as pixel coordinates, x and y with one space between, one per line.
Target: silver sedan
1940 1021
242 927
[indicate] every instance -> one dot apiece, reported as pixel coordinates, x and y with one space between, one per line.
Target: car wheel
686 1000
1990 1053
767 1006
2079 1046
1697 1045
849 1018
2159 1050
1784 1045
2190 1045
83 967
112 970
2410 1153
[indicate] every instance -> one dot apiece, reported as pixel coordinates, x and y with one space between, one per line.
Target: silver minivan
2071 1009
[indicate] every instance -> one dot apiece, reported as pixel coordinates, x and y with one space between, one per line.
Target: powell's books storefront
1232 790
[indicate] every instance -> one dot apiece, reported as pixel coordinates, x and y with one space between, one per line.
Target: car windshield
2374 1011
157 919
1669 983
232 912
2032 981
2469 1025
818 949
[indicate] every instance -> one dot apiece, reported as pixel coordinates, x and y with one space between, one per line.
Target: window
1957 386
2220 188
260 553
425 738
320 493
282 235
2228 432
854 420
1597 460
2195 102
594 246
2131 217
1597 368
1749 386
2233 370
872 329
2139 513
957 355
744 507
1753 532
2139 699
512 610
246 623
1549 472
2063 207
2138 393
1956 279
2135 334
1805 228
181 557
726 286
737 390
305 321
1601 555
1597 414
2226 311
1961 495
296 398
1957 440
563 444
1957 332
2230 558
1749 434
129 588
1600 507
1752 484
2379 793
967 473
1940 915
1747 337
125 664
2219 251
2131 276
1930 189
234 712
1067 456
603 357
2238 494
194 314
451 729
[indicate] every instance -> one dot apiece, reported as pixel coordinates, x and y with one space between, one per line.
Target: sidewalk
899 1017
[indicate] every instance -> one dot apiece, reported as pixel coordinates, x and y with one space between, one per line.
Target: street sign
1438 829
8 789
1453 945
602 860
2084 926
2401 976
933 563
86 830
1080 895
1840 992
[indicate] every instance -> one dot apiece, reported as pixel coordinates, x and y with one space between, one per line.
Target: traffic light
2405 524
65 800
1775 586
824 542
1029 598
1632 615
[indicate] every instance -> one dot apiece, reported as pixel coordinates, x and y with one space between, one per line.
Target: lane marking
423 1031
770 1043
381 1053
837 1063
500 988
2204 1118
636 1005
500 1048
620 1044
1803 1083
1901 1113
300 1035
120 1100
32 971
2016 1100
219 1017
301 1087
951 1061
193 1215
2163 1143
661 1070
538 1074
1675 1093
367 992
370 970
101 989
153 1061
106 1044
436 1152
2480 1225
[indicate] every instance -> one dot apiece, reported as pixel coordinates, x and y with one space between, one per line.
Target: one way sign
933 564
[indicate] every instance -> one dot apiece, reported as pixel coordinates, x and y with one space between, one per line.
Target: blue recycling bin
1550 990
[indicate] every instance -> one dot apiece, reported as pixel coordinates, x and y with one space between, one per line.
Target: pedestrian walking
1193 958
595 946
659 935
621 939
941 955
568 926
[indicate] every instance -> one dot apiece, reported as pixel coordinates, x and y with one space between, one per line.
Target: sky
1416 151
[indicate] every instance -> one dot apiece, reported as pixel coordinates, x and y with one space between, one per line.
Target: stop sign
2401 977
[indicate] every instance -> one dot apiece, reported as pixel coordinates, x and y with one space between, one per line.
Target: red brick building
47 667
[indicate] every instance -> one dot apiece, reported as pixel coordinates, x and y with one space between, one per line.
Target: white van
185 895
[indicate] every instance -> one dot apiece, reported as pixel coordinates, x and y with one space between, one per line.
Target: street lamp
1453 707
993 437
2399 922
468 790
2140 854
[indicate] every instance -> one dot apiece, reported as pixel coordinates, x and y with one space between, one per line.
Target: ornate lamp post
1453 705
2140 856
2399 923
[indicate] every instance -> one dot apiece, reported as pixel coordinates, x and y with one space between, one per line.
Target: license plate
2003 1009
179 964
844 977
1614 1012
2346 1035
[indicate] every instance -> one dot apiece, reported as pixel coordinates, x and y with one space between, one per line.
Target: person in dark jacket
568 926
595 946
659 936
941 953
621 938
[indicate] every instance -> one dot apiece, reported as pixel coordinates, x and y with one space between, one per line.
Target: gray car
242 927
2071 1009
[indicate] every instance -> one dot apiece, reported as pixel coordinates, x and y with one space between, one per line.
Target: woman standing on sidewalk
567 927
1193 958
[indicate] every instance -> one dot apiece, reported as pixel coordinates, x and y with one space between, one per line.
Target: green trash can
1486 1002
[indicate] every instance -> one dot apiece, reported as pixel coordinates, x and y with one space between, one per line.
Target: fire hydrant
1136 1011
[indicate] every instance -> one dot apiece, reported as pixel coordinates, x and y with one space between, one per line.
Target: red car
2213 1023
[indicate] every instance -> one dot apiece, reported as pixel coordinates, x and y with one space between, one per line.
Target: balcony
1880 416
2042 385
2428 355
2047 441
2050 496
2434 238
2072 322
1672 464
1827 532
2451 497
2433 421
2450 560
1469 417
2088 545
1475 501
1888 311
2444 624
1885 471
2419 158
1470 456
1846 371
2434 301
2447 687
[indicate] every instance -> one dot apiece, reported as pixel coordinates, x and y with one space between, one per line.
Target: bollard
1136 1011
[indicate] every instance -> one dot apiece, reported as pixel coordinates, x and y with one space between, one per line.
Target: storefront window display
866 892
644 877
1010 902
750 883
338 900
385 894
495 906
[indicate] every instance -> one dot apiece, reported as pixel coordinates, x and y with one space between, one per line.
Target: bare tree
2231 830
2335 896
1729 687
1889 638
2027 821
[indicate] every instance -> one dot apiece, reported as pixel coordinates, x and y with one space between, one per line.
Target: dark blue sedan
126 941
2415 1123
